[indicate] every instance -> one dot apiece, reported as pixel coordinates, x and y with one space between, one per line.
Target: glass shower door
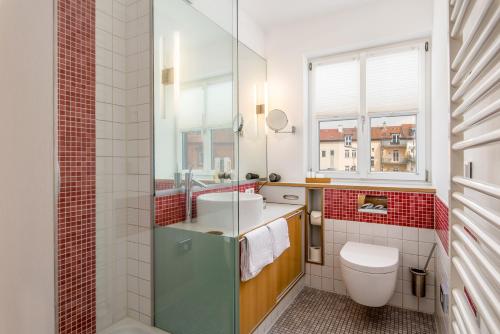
195 241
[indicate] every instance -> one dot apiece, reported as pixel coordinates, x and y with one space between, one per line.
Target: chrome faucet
188 186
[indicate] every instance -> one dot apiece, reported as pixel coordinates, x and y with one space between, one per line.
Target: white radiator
475 166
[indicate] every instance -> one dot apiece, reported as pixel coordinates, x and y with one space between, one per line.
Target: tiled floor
316 311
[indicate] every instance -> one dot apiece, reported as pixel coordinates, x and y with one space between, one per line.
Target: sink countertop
272 212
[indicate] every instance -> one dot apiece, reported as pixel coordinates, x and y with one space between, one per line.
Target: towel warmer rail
475 221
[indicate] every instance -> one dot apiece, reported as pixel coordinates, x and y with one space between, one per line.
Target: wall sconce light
167 76
260 109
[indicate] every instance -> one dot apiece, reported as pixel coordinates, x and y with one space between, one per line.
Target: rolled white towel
256 252
279 235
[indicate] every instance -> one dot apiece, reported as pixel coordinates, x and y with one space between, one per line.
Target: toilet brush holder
418 281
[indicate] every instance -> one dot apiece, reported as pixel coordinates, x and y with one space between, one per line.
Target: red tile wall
441 220
76 156
403 208
171 209
163 184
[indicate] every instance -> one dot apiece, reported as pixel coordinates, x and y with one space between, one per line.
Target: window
348 140
395 138
323 154
371 101
395 156
332 153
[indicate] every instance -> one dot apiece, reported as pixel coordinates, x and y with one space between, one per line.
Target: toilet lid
371 259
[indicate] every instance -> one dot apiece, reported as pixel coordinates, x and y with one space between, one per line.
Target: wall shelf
314 245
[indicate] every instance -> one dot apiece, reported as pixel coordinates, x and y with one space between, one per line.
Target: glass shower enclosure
196 129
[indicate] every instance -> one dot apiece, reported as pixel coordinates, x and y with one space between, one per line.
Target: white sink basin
218 211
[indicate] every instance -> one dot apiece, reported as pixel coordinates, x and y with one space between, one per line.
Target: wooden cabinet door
259 295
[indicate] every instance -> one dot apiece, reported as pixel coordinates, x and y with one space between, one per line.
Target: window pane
219 104
340 138
336 88
191 107
392 81
222 149
393 144
192 150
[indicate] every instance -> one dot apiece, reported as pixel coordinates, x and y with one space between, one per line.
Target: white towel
279 236
256 252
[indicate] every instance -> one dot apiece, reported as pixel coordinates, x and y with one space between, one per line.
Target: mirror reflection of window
206 105
192 149
222 149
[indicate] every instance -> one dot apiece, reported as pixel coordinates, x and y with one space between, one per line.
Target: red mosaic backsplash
171 209
441 221
164 184
76 206
403 208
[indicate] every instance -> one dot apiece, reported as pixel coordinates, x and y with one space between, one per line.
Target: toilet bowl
369 272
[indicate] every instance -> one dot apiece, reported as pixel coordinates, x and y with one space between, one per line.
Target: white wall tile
379 230
315 282
426 235
410 302
394 232
327 284
366 228
352 227
396 300
339 226
339 237
410 247
410 233
396 243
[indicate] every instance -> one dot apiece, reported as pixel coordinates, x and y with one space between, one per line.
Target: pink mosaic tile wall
441 221
171 209
76 206
403 208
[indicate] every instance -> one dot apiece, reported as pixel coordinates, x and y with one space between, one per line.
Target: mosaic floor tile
316 311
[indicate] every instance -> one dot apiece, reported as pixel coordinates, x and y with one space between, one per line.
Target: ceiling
271 13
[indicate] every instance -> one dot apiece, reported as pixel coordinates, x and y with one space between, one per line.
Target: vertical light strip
161 67
256 103
266 105
177 70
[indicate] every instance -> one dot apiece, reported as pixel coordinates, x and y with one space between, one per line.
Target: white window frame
363 164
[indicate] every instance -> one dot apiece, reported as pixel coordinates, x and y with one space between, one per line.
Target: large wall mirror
209 116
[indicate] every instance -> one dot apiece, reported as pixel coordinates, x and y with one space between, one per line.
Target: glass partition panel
195 150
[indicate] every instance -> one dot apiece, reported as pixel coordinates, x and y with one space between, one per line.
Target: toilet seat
371 259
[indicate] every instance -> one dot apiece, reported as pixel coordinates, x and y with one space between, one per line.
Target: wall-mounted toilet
369 272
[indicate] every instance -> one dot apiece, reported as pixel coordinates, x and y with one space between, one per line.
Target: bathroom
250 166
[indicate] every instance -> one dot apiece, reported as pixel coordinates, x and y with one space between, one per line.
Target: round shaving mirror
276 120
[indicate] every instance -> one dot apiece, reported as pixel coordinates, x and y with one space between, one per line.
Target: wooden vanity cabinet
260 295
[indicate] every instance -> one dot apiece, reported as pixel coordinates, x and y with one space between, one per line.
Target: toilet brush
418 277
429 257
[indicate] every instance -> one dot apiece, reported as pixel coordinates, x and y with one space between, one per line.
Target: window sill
380 185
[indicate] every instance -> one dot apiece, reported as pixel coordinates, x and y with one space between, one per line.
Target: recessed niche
372 204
